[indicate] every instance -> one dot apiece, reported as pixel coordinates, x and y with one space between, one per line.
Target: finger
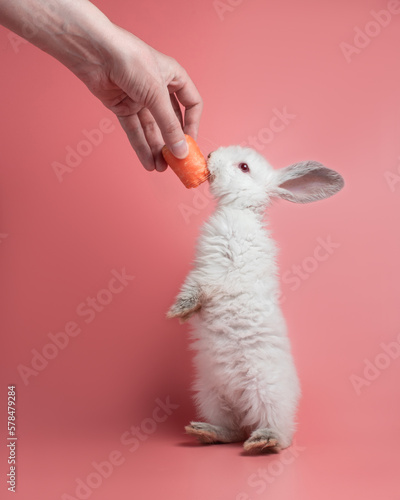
133 128
177 108
193 109
190 98
153 137
171 130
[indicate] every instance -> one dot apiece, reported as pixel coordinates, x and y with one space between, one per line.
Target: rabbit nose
209 155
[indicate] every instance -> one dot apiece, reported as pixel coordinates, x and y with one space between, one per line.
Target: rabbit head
243 178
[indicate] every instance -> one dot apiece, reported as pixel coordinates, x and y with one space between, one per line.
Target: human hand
142 86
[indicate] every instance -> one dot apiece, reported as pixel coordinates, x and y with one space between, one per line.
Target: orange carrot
192 170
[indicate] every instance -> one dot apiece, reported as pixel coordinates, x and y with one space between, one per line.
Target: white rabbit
247 387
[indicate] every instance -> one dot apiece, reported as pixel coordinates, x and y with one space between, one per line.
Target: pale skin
143 87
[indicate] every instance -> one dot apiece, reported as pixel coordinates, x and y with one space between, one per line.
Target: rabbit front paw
185 306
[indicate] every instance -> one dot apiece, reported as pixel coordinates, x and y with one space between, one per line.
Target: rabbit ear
307 181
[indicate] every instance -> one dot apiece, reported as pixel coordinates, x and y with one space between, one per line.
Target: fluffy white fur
246 387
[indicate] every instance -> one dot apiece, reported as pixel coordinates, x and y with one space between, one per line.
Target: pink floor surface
174 467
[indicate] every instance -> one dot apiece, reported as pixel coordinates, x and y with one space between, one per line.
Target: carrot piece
192 170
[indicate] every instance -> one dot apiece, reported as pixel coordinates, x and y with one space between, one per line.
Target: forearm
72 31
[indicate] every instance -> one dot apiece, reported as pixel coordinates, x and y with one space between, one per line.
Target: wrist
79 33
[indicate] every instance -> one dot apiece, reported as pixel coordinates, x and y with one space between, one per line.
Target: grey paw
262 441
185 307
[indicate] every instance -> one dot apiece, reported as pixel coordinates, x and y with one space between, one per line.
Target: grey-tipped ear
307 181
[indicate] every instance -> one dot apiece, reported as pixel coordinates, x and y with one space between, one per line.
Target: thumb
170 127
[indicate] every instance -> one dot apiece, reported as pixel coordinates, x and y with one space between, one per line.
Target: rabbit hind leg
212 434
262 441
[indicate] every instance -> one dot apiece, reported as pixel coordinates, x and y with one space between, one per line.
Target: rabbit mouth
211 176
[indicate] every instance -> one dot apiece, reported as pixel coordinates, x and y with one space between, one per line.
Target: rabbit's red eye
244 167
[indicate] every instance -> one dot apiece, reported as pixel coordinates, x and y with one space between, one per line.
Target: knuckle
153 94
174 63
149 127
171 128
132 129
200 104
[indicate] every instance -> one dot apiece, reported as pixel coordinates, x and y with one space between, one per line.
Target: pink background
60 242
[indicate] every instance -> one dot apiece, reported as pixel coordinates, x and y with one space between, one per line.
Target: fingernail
180 149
